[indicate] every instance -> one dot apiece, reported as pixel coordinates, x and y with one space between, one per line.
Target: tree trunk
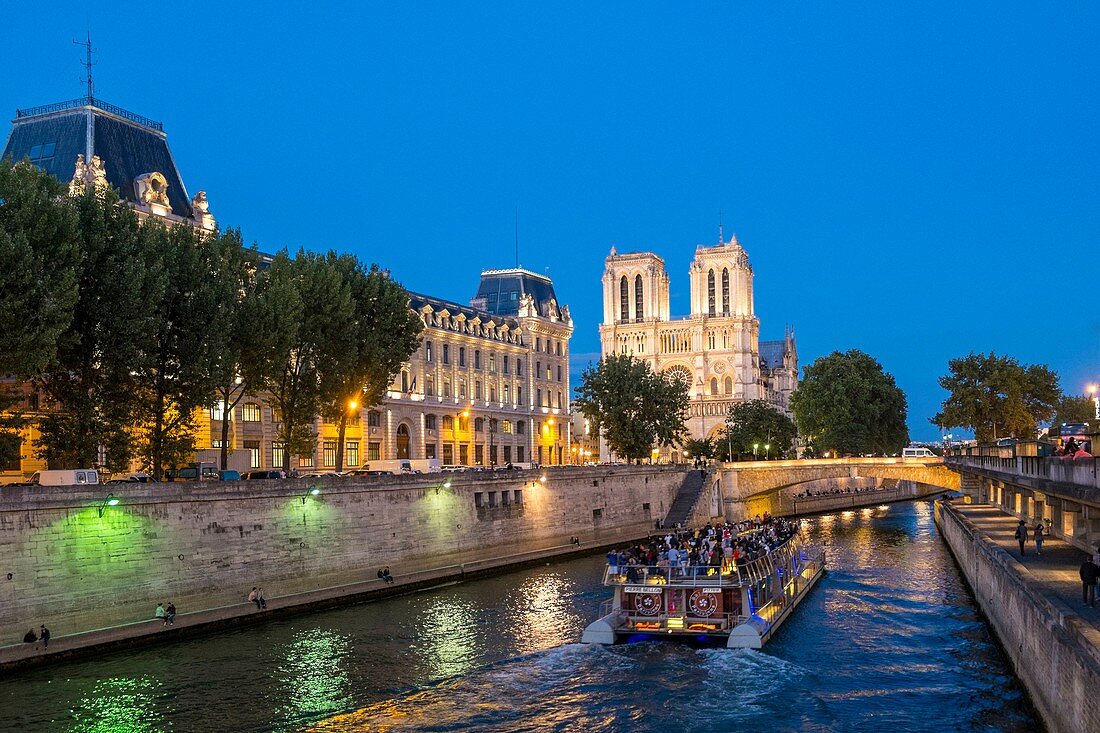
158 439
223 458
342 428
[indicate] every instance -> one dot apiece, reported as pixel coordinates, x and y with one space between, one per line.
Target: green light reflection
120 705
314 675
448 636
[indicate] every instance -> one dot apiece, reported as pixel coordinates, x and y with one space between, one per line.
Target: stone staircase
686 498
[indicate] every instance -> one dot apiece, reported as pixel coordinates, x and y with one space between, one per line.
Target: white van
71 477
917 453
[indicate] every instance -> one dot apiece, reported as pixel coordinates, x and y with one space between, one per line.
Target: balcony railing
93 102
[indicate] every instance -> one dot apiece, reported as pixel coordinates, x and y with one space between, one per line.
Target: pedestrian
170 614
159 613
261 602
1039 538
254 597
386 574
1021 536
44 635
30 637
1089 574
613 562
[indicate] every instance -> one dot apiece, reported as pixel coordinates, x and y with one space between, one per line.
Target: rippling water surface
890 640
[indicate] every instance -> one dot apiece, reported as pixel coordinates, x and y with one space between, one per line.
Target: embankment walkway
406 579
1055 571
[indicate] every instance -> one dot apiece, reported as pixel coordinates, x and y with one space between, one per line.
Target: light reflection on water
889 634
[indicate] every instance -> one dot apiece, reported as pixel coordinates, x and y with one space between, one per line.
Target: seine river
890 640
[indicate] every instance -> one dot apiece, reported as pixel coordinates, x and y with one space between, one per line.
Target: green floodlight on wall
111 500
313 491
445 485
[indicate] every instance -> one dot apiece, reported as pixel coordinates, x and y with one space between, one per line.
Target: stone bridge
754 487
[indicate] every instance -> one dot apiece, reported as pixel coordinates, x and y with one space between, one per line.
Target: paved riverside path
1056 570
351 588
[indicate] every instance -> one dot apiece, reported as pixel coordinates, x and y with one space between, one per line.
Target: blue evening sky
917 180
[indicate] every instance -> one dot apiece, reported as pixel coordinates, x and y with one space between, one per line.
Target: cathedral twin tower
716 350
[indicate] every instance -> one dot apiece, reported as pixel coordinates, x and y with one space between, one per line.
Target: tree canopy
1074 409
847 403
633 407
755 427
997 396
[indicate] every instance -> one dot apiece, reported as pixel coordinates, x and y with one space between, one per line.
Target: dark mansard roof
500 291
128 144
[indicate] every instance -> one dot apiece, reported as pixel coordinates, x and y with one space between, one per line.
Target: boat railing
692 575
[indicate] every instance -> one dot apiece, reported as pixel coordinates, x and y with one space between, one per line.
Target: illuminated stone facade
489 385
716 350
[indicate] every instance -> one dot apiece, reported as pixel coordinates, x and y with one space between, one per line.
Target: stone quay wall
1046 641
76 564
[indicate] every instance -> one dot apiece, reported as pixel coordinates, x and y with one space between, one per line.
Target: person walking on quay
44 635
1039 538
170 614
1021 536
1089 573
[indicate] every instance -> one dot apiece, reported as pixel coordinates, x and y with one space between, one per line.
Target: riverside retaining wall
1045 640
71 562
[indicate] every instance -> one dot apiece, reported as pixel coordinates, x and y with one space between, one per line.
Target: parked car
262 475
453 469
229 475
131 478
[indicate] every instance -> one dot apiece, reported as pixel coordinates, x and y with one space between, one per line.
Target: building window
538 344
624 299
218 410
507 454
559 400
446 353
519 427
638 304
462 356
519 367
448 454
448 422
504 364
429 422
538 398
305 461
559 348
462 388
479 424
506 427
492 362
429 386
278 455
374 451
519 454
559 367
725 291
446 387
710 292
549 373
427 351
429 450
250 412
477 359
507 393
374 419
253 448
479 455
351 453
493 393
477 389
538 369
328 454
519 394
217 443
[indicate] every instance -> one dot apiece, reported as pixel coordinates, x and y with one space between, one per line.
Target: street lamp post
1094 392
755 446
767 447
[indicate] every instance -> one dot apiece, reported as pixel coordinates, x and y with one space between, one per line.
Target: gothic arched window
710 292
725 291
624 300
638 304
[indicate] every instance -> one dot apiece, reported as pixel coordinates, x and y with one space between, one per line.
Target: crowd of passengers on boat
709 550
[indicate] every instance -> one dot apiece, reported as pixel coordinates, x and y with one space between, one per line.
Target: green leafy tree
1074 409
383 332
756 423
243 334
846 403
696 448
40 260
632 406
314 306
997 396
90 383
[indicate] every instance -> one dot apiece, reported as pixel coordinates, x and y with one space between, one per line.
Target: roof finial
88 64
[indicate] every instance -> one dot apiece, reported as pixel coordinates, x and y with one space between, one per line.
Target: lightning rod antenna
88 64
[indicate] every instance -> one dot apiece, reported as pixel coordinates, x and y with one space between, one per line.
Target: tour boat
743 603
